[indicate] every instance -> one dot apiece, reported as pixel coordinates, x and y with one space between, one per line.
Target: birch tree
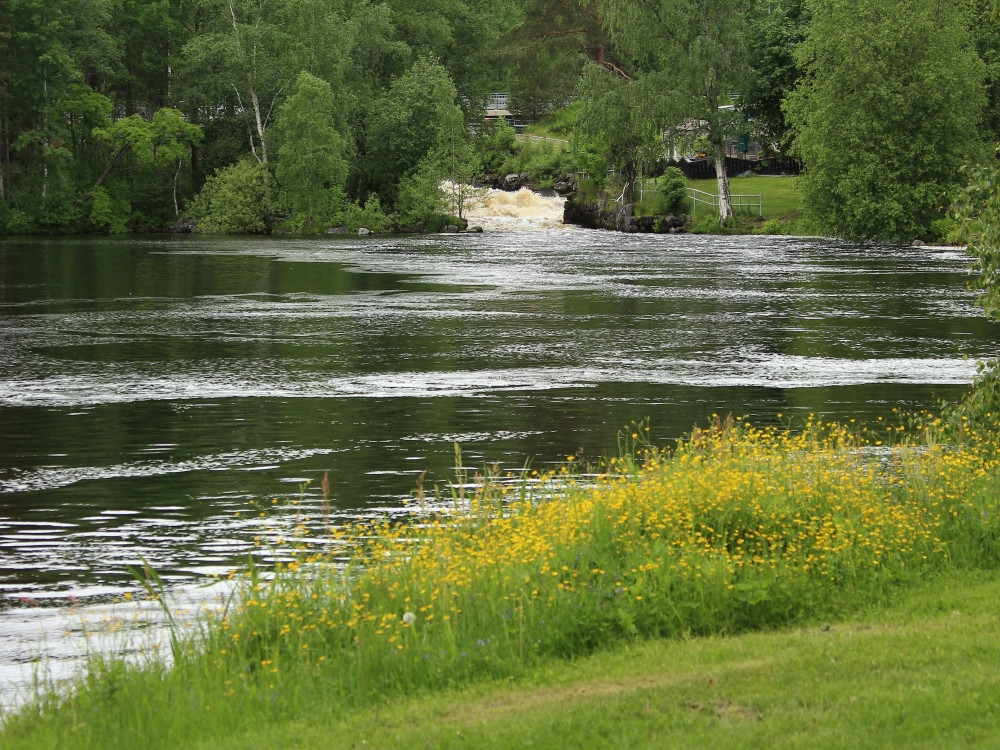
694 54
246 49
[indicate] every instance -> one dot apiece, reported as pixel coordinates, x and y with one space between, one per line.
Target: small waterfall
501 211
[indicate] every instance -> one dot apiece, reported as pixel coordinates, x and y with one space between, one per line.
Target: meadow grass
735 529
918 674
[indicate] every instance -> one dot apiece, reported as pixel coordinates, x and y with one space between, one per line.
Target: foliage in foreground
736 529
917 674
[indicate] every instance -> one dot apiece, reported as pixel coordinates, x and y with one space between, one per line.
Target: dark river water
153 388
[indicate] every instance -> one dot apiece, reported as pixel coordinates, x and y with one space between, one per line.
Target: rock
564 188
362 232
511 183
474 230
918 243
624 220
450 229
621 219
336 230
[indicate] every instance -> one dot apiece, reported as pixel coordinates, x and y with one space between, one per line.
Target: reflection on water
153 391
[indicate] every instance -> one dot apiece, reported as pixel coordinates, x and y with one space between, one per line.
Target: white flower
409 618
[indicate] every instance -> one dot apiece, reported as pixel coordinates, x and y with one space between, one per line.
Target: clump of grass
735 528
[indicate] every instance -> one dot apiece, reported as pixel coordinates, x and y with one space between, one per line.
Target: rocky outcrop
609 215
512 182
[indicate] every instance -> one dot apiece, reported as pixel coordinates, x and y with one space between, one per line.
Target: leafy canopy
890 105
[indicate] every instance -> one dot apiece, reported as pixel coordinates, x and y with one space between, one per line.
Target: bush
108 213
543 162
495 145
421 199
672 188
14 221
772 226
234 200
371 216
945 230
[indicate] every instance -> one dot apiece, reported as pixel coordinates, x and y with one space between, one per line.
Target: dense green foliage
119 114
673 189
116 113
977 209
891 105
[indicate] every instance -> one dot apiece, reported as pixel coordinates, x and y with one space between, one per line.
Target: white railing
738 201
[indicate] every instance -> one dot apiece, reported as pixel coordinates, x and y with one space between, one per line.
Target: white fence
738 201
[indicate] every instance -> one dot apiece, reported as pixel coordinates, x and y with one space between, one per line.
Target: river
155 390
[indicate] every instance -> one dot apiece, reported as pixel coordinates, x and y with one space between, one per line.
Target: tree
547 52
412 120
164 141
619 124
890 106
775 28
246 48
976 206
985 33
311 168
693 53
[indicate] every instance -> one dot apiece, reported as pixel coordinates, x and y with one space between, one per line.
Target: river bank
917 673
737 529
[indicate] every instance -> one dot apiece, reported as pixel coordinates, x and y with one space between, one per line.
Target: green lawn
920 674
779 198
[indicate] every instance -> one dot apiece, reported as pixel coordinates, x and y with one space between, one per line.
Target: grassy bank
781 205
735 530
919 674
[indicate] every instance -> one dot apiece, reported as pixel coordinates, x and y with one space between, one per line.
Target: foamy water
502 211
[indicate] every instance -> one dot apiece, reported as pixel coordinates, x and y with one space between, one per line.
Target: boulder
624 218
618 218
184 226
512 183
363 232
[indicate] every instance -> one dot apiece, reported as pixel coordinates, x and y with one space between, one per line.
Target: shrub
672 188
370 216
234 200
108 213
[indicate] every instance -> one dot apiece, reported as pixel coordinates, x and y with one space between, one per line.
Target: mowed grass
919 674
779 197
780 204
735 530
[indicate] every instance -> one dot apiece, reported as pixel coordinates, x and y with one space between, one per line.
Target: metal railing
738 201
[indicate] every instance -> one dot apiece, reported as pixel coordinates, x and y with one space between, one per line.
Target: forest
259 116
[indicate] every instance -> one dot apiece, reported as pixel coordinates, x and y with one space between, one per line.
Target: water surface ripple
154 391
